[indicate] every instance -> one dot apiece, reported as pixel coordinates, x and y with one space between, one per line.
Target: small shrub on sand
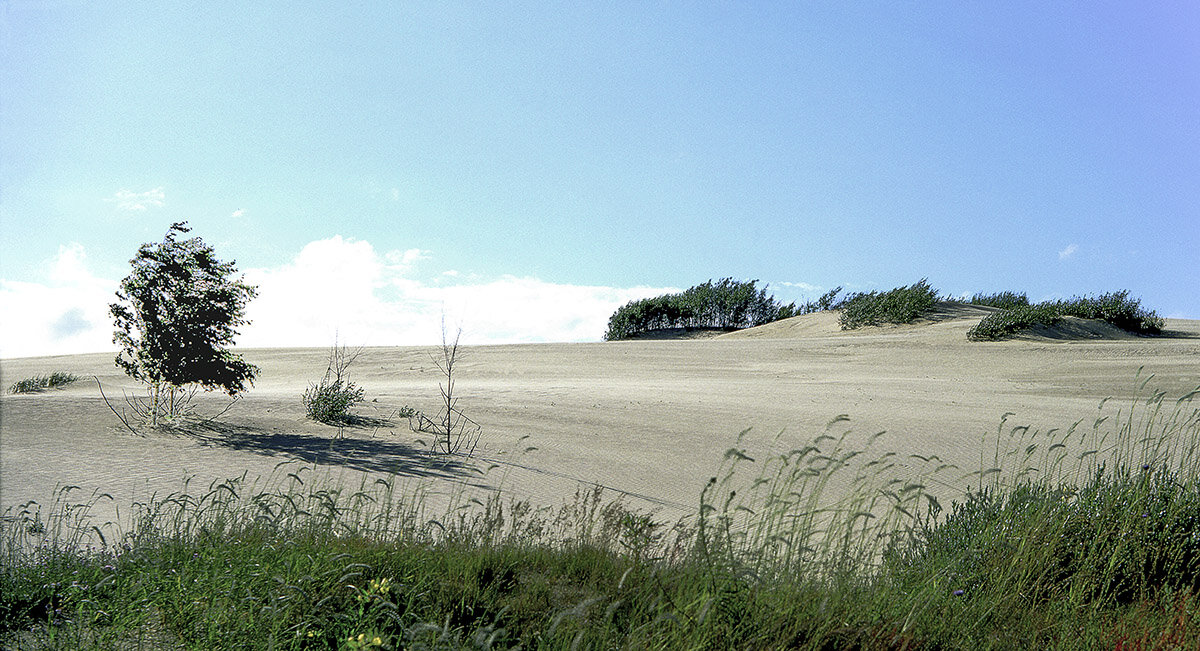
329 401
900 305
39 383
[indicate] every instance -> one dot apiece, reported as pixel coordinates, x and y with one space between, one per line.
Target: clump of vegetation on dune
900 305
1072 540
329 400
40 383
1116 308
905 304
727 304
1002 300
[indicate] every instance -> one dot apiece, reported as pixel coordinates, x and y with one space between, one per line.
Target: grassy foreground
1083 539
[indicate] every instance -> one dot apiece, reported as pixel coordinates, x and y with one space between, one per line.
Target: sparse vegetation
329 401
1116 308
1002 300
728 305
827 301
1067 540
900 305
40 383
453 431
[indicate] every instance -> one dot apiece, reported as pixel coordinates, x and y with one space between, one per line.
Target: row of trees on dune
726 304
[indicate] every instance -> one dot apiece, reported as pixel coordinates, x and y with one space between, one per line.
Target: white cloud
345 286
138 201
69 265
406 258
67 314
804 287
337 285
1067 252
238 213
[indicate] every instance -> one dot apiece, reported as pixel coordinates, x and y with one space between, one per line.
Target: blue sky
527 168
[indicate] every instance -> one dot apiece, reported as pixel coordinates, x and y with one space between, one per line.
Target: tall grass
1083 538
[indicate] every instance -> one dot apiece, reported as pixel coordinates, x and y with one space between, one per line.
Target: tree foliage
177 312
900 305
727 304
1117 308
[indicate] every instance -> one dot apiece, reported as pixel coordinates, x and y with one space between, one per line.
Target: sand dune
647 419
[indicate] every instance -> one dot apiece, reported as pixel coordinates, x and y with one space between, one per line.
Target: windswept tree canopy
727 304
177 312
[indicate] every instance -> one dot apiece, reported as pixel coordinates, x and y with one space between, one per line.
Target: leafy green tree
727 304
175 315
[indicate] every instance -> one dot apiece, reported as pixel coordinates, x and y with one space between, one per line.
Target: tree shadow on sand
356 421
371 455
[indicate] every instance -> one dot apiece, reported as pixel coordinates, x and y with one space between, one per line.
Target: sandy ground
648 419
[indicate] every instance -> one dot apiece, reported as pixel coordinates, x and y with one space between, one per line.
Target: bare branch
114 411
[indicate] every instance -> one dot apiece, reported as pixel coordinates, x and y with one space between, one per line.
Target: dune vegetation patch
900 305
40 383
1116 308
727 304
1072 539
723 306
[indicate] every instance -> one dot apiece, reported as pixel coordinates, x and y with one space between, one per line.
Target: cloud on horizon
345 286
68 314
337 285
804 287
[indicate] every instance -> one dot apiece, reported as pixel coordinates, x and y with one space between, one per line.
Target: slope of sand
646 419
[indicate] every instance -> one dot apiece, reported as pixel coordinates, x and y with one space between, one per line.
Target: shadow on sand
371 455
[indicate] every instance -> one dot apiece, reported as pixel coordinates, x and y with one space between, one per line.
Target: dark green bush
900 305
329 401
